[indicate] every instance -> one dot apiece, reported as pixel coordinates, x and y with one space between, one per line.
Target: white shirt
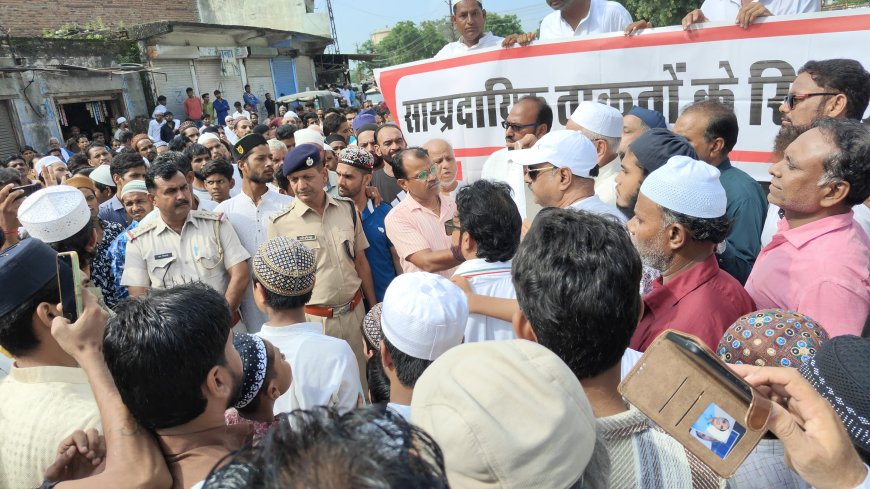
154 130
250 222
455 48
726 10
325 371
596 206
629 359
603 17
492 280
402 409
243 113
498 167
605 182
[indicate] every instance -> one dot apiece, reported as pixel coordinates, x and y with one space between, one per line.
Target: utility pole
449 15
332 25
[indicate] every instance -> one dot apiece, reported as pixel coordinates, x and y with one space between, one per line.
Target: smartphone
702 356
27 189
69 282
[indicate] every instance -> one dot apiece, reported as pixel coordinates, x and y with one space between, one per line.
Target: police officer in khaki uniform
332 229
183 245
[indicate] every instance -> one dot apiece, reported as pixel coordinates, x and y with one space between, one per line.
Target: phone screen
27 189
70 290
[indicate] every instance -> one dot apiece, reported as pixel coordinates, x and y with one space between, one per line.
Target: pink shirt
821 269
412 228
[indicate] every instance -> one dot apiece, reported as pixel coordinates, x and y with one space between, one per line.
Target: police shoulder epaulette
141 229
283 212
214 216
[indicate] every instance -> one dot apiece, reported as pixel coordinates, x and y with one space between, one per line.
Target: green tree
406 42
503 25
661 12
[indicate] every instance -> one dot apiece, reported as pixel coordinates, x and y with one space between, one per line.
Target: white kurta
492 280
455 48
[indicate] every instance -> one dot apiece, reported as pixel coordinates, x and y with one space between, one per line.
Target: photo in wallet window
717 430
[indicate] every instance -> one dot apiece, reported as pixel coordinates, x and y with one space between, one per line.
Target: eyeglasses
791 99
424 175
450 226
517 127
533 172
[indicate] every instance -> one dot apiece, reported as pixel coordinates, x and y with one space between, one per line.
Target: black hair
379 383
285 131
165 171
545 113
16 326
176 158
722 122
369 448
576 275
80 242
308 116
260 129
188 325
846 76
332 123
237 104
334 137
281 180
457 3
397 163
195 150
714 230
10 159
161 97
79 160
851 162
9 175
284 302
408 368
126 136
488 213
178 143
124 162
219 166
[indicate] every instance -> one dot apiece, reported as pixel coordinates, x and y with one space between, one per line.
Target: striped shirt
631 453
412 228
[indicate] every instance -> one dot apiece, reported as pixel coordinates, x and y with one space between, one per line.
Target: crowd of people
311 302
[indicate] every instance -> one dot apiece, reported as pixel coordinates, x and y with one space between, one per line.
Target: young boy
218 178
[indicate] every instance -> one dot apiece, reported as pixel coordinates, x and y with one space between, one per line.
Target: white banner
465 99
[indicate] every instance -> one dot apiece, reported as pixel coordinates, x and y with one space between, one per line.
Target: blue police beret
301 157
29 265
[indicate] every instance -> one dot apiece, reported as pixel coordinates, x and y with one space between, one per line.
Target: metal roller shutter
210 78
174 85
260 79
284 76
8 139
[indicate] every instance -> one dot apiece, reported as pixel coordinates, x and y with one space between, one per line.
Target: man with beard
354 174
171 355
144 147
529 119
678 220
831 88
249 212
181 245
365 139
389 141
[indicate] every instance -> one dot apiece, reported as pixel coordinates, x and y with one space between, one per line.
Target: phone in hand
27 189
69 282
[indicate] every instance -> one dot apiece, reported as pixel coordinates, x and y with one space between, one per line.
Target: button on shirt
325 371
455 48
596 206
160 258
821 269
747 208
378 253
113 210
251 222
492 279
603 17
726 10
333 238
702 301
412 228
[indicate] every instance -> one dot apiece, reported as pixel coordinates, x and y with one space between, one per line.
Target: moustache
182 203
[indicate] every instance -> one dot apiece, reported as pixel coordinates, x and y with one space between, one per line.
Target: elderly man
134 196
423 316
182 245
602 124
559 170
647 153
441 154
249 212
638 121
469 19
818 262
678 220
416 225
712 129
529 119
576 18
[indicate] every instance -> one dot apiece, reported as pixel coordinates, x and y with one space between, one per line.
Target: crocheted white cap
54 213
599 118
424 314
687 186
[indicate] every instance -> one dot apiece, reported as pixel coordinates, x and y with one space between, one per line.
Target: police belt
331 312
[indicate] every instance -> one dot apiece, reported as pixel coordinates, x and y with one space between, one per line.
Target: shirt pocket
346 242
163 271
310 242
208 257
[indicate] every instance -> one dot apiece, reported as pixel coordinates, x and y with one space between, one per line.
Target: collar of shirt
162 226
485 41
448 207
622 425
292 329
39 375
478 266
665 296
568 27
115 204
802 235
300 208
609 169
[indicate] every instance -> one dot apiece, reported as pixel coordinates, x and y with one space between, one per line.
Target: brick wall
30 18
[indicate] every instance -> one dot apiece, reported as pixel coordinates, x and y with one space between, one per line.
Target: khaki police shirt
331 238
160 258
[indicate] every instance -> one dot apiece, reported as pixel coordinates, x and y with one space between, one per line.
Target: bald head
441 154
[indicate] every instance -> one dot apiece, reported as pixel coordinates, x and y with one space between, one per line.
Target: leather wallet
687 391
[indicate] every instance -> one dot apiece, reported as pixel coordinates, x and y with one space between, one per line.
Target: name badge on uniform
307 237
162 256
